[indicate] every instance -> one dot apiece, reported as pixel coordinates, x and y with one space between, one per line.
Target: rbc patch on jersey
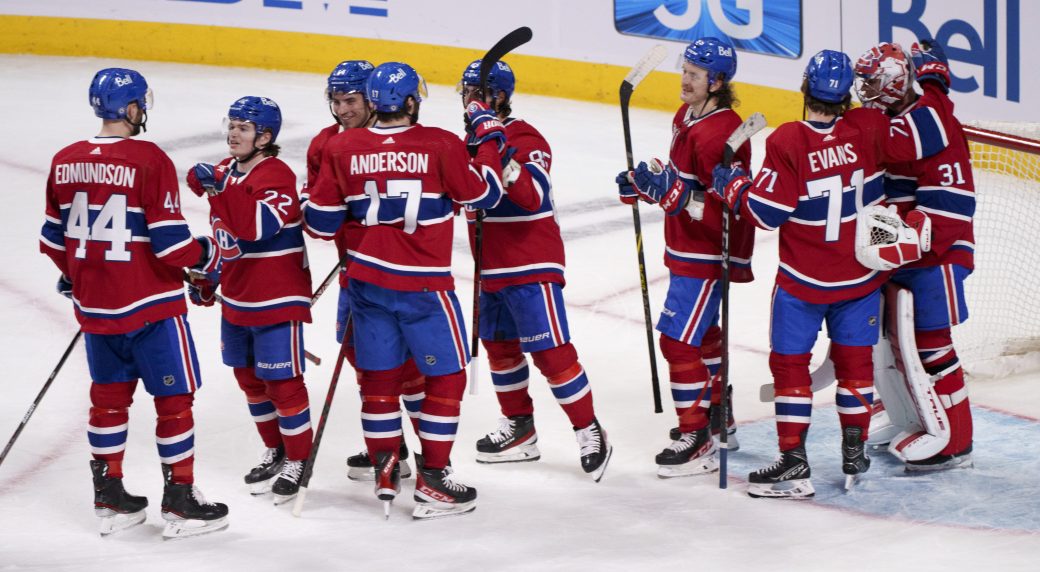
161 354
692 306
796 323
533 313
391 325
274 352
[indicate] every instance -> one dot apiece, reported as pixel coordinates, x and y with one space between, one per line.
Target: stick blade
752 125
650 61
508 43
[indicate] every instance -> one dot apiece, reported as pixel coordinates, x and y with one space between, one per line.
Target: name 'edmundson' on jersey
404 162
101 173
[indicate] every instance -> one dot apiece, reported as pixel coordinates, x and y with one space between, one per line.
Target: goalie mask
884 75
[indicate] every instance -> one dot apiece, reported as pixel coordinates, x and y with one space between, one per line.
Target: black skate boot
731 424
117 509
594 449
689 454
788 477
388 478
514 441
437 494
359 467
942 462
187 512
287 484
262 475
854 459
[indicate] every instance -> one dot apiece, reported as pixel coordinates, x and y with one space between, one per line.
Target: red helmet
884 75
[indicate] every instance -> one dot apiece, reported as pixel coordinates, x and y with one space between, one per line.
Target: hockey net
1003 292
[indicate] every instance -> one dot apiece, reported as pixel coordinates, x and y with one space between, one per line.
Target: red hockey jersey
402 184
349 234
114 227
521 236
694 247
813 182
943 187
257 223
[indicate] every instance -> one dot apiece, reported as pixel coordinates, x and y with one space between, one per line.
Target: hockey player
939 189
349 105
403 181
521 294
817 175
114 229
266 288
691 340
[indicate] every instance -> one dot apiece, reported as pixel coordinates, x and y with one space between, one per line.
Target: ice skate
960 460
689 454
438 495
287 484
261 477
594 449
787 478
387 475
117 509
854 459
514 441
731 424
187 512
359 467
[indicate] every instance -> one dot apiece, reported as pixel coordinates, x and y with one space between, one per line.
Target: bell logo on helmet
397 76
724 51
121 81
268 102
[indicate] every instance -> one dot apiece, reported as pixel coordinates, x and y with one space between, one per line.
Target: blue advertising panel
772 27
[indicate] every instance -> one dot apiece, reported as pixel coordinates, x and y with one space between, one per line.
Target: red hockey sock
260 406
413 390
711 354
568 382
381 410
689 381
510 376
440 417
854 368
294 416
109 420
793 403
175 435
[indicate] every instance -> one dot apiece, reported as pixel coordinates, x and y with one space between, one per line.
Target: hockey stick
308 470
751 125
646 65
508 43
39 397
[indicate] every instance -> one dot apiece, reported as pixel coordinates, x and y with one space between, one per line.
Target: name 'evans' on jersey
101 173
829 157
404 162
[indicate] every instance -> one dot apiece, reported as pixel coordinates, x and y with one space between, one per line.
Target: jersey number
948 174
833 189
109 226
409 189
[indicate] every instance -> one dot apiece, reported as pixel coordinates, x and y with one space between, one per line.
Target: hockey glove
209 260
205 178
930 63
201 290
883 240
64 286
626 192
484 126
729 184
510 168
659 183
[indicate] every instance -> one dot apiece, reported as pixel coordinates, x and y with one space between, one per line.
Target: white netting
1002 293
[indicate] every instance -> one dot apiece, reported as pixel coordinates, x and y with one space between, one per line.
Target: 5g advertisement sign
772 27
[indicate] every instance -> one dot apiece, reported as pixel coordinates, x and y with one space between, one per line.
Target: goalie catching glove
885 242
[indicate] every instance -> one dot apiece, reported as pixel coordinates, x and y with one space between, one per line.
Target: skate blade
850 482
965 462
797 489
386 508
185 528
428 511
261 487
518 454
700 466
597 475
112 521
282 499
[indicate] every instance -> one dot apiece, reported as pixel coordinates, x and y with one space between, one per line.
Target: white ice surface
545 515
